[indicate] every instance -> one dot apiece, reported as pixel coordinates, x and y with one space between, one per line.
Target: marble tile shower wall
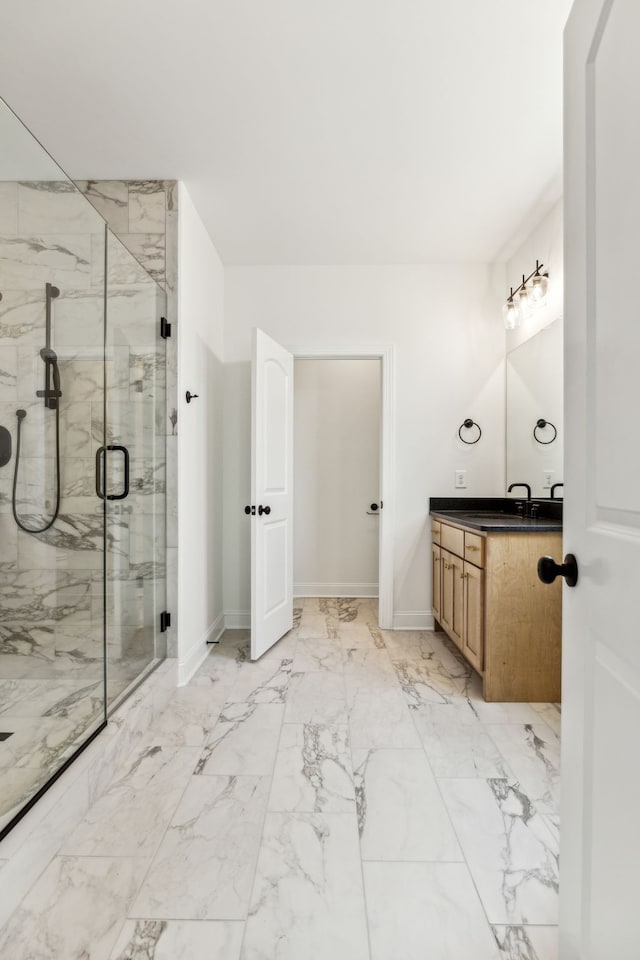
50 589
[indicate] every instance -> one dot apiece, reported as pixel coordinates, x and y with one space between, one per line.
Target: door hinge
165 328
165 621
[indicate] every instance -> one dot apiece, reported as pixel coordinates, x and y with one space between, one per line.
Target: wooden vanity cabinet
489 601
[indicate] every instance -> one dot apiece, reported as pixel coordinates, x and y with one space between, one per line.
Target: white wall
200 439
336 477
446 324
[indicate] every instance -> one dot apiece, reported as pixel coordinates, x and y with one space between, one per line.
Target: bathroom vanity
488 599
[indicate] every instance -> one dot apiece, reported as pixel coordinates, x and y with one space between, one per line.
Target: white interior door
272 493
600 855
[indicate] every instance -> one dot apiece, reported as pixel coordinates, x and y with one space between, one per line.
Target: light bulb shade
539 285
523 302
511 314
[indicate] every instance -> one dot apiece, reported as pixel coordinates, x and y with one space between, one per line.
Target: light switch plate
548 479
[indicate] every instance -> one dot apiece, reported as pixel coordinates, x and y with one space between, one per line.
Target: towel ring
540 425
468 424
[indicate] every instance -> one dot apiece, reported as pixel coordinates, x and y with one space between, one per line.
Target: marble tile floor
48 716
348 797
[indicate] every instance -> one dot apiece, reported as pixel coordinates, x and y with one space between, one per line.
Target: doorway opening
337 419
343 474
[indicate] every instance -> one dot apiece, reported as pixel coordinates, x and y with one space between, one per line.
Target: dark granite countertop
497 514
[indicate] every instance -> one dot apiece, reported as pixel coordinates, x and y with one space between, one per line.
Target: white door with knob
600 848
271 493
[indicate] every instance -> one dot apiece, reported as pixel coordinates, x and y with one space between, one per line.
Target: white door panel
272 494
600 853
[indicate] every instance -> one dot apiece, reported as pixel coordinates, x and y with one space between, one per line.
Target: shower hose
21 414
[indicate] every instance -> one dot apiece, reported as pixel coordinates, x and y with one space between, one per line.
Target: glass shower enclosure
82 471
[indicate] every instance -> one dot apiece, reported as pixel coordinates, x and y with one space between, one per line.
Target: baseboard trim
403 620
199 652
413 620
237 620
335 590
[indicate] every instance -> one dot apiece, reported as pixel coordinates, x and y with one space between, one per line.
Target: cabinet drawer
474 548
435 531
452 539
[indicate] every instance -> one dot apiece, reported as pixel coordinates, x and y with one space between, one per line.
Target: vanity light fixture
531 293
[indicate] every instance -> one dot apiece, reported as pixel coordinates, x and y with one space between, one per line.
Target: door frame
385 352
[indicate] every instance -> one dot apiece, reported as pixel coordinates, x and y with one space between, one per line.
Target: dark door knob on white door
548 570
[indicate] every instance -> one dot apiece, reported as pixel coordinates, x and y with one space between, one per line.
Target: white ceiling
333 131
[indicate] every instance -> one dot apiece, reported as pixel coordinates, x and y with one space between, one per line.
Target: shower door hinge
165 621
165 328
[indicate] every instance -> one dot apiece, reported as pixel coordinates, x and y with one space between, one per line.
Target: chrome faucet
512 486
553 490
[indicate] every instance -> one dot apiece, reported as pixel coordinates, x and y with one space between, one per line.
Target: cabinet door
452 606
473 645
437 582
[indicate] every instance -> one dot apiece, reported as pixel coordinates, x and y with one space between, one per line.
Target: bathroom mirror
534 393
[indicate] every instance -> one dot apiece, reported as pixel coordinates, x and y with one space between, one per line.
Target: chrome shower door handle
101 472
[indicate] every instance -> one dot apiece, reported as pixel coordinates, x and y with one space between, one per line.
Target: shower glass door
52 289
82 471
135 467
